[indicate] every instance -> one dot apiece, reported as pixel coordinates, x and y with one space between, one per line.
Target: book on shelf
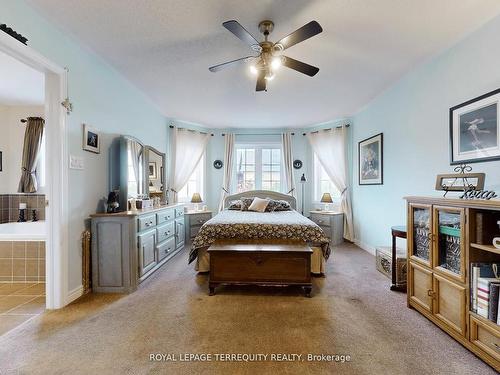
483 270
484 299
493 307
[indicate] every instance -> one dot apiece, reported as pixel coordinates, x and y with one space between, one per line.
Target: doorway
56 169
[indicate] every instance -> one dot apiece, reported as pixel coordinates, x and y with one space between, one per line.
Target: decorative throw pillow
271 206
258 204
283 206
235 205
245 203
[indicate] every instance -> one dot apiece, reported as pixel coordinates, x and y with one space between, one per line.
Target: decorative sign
461 180
472 193
13 34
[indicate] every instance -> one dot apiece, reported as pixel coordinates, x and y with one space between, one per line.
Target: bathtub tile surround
22 261
9 206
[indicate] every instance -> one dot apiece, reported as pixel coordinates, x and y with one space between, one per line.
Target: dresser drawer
146 222
164 216
199 219
485 337
320 219
165 231
165 248
179 212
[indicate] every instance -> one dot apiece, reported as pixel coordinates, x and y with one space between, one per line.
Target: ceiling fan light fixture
276 63
253 69
270 76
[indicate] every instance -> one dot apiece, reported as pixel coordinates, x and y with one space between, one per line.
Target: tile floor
20 302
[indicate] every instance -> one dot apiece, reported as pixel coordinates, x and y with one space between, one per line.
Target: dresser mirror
134 178
155 172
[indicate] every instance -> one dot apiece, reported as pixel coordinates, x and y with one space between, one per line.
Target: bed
247 225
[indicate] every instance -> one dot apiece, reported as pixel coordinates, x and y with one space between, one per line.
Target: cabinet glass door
449 241
420 233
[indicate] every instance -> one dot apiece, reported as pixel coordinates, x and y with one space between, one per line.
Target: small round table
396 231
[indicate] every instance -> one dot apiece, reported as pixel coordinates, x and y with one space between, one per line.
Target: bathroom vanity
129 246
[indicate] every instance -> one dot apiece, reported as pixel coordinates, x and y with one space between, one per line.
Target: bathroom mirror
155 172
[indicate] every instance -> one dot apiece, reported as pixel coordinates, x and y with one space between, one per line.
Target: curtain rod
223 134
192 130
337 127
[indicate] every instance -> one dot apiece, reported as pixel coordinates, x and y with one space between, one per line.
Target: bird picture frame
475 130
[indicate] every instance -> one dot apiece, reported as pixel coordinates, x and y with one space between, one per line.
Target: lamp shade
196 198
326 198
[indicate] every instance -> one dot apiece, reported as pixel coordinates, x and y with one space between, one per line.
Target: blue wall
413 115
101 98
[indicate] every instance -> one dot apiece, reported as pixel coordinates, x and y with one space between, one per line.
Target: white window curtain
228 167
187 148
330 147
286 140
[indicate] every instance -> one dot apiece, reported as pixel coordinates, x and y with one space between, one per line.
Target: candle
22 206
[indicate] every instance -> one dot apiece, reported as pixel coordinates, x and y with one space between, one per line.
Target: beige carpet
352 312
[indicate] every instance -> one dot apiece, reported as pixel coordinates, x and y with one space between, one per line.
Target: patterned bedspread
252 225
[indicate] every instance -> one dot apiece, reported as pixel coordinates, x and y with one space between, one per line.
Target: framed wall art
475 130
91 139
370 160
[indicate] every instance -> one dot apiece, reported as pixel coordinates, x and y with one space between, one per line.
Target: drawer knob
431 293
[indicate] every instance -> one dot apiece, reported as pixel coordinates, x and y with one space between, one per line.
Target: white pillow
258 205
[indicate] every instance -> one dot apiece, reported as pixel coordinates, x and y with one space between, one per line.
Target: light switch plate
76 162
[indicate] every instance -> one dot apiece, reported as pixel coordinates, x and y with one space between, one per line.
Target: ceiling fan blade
243 60
300 66
305 32
261 81
241 33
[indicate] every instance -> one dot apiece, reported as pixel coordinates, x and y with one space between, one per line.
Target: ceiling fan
269 57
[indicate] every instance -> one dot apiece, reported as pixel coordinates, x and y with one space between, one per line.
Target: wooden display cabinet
444 237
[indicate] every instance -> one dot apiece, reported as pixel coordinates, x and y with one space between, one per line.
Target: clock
218 164
297 164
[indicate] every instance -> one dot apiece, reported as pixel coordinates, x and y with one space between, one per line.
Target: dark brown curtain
31 149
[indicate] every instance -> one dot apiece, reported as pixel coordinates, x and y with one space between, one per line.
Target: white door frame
56 264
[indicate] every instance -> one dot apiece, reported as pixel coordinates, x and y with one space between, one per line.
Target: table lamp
326 199
196 199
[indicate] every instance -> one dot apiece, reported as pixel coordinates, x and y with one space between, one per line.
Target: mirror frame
163 156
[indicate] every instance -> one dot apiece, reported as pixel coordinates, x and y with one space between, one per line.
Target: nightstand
194 221
332 223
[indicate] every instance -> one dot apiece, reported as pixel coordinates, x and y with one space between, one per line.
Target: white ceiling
19 83
166 47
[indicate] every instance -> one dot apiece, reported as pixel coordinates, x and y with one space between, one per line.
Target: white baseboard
365 247
74 294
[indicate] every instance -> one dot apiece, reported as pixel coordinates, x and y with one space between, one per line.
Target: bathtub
29 231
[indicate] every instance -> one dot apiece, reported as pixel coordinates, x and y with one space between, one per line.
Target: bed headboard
262 194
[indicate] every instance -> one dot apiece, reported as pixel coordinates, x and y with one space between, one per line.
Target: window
195 183
322 183
258 166
41 168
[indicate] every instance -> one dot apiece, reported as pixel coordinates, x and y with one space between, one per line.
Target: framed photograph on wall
370 160
91 139
475 130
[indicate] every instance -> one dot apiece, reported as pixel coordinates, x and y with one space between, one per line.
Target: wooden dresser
127 247
444 237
